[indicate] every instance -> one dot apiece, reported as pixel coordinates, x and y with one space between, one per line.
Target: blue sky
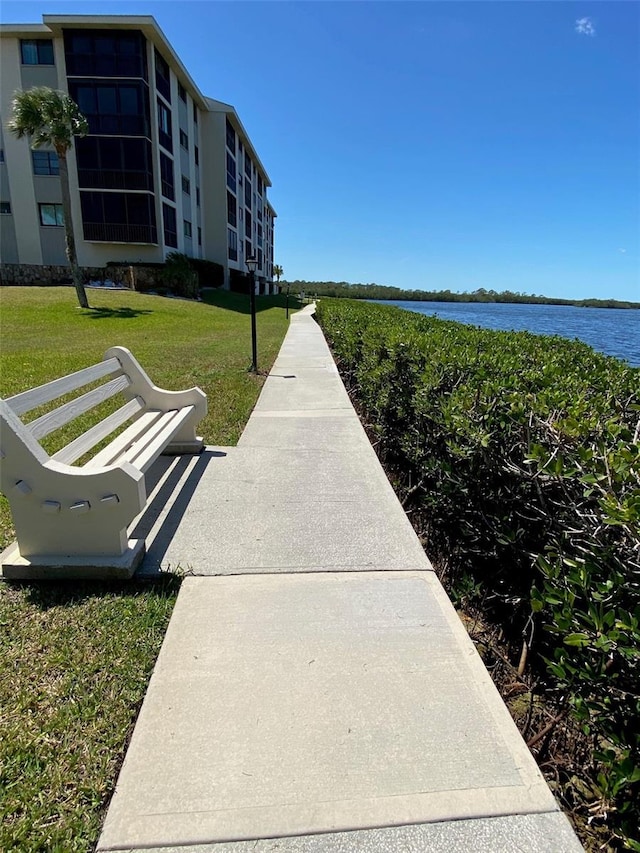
430 144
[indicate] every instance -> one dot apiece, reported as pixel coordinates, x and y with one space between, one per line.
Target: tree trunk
70 240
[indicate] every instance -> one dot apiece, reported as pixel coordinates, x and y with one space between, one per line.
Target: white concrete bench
71 520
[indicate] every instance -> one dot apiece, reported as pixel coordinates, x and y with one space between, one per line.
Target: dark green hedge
522 453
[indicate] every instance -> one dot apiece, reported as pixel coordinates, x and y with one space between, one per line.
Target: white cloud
585 27
622 250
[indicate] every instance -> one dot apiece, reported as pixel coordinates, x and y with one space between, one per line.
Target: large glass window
184 140
231 172
163 77
232 208
186 185
170 225
188 230
164 126
114 162
45 163
119 108
231 137
233 244
118 217
36 51
105 53
51 214
166 176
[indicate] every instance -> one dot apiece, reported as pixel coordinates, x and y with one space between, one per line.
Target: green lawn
75 658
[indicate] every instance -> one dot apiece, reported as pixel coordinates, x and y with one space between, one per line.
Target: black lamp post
252 263
288 287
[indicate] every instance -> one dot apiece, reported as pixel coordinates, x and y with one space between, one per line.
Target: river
613 331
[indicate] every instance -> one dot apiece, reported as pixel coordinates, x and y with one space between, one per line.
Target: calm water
614 331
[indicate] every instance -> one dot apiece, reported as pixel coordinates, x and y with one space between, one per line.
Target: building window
186 185
196 154
195 114
231 137
5 208
247 224
184 140
247 165
45 163
114 163
166 176
1 155
170 225
51 214
247 249
120 108
259 258
105 53
232 218
164 127
197 196
163 77
247 195
199 236
233 245
182 92
118 217
259 235
231 172
187 228
36 51
260 185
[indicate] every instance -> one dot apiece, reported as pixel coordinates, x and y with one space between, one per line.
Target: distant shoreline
385 293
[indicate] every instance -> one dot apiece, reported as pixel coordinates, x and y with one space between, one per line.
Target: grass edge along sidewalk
76 657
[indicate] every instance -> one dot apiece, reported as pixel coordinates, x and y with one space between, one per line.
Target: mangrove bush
520 453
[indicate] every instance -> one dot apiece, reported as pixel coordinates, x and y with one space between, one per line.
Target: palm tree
278 271
51 117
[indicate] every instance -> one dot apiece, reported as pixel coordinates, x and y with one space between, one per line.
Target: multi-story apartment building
163 168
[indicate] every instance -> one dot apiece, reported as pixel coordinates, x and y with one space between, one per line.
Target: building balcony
104 232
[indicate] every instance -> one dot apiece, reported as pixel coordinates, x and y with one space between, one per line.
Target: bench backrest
42 426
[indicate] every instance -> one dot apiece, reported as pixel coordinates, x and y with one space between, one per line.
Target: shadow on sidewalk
168 505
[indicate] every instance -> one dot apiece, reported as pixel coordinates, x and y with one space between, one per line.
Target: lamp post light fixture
252 263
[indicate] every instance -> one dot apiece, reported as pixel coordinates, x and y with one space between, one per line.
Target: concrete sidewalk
315 691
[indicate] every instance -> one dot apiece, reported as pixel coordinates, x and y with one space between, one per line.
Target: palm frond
48 116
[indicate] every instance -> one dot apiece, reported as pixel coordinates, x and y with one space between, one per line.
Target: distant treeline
382 291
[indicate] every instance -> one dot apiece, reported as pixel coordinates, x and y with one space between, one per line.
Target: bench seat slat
93 436
144 457
63 414
114 451
27 400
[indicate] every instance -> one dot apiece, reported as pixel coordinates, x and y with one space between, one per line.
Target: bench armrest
154 397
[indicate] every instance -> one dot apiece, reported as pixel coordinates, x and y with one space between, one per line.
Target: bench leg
69 522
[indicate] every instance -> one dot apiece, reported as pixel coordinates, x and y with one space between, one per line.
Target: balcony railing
104 232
